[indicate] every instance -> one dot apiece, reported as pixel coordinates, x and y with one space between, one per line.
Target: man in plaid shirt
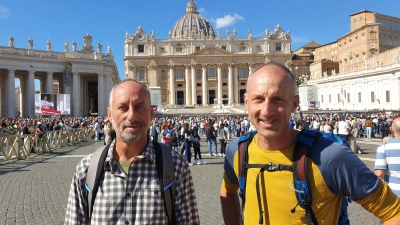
129 191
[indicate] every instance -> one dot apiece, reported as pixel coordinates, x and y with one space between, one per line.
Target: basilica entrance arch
180 98
211 96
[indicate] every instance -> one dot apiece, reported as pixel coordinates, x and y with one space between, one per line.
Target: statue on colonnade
11 42
48 44
30 43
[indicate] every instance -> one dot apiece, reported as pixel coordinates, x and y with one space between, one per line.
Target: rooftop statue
11 42
48 45
30 43
66 46
99 48
74 46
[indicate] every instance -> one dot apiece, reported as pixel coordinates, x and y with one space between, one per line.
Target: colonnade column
3 97
250 68
230 84
171 86
194 95
76 97
31 93
109 86
49 83
101 109
219 84
11 94
23 97
204 85
187 79
235 85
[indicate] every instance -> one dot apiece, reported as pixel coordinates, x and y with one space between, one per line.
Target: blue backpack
303 194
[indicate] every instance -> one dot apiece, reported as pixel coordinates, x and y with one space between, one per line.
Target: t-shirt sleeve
230 182
343 172
380 162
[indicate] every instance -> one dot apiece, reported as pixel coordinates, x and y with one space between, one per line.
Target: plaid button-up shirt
134 198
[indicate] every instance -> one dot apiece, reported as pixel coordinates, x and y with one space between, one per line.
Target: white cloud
201 10
4 12
227 20
298 39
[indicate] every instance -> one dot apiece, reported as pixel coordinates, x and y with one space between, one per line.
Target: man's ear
296 102
109 114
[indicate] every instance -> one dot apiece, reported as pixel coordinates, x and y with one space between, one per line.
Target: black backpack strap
93 176
165 171
301 183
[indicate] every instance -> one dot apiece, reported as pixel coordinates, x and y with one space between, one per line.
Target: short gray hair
126 80
288 73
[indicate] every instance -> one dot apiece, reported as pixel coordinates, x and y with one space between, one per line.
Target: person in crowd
388 159
174 142
188 139
211 136
222 140
327 128
137 198
196 147
343 129
155 131
368 125
334 170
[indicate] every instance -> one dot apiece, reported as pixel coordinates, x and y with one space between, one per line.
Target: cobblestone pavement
35 191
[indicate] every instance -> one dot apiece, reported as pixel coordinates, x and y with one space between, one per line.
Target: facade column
109 86
230 85
194 95
172 86
11 94
31 93
76 97
101 104
49 83
204 84
219 84
23 103
3 97
187 79
235 85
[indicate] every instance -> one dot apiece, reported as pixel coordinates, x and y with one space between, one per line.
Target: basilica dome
192 24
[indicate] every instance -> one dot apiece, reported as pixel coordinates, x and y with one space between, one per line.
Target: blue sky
107 21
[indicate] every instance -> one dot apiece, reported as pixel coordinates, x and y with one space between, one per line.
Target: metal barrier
21 146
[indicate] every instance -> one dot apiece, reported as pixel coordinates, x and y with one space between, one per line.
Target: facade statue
169 34
30 43
74 46
218 34
152 35
87 44
228 34
267 33
333 71
234 33
109 53
249 34
127 35
48 44
212 32
287 35
66 76
66 46
11 42
99 48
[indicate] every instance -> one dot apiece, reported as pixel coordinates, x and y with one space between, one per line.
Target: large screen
52 104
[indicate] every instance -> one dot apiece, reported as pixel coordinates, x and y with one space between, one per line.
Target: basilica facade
86 74
198 65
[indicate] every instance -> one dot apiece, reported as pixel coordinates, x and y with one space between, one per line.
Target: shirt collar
149 152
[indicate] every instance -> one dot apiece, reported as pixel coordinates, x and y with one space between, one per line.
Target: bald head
396 127
129 80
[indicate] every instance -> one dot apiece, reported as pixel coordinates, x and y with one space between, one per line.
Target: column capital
187 66
230 65
219 65
11 70
193 66
171 66
31 71
204 65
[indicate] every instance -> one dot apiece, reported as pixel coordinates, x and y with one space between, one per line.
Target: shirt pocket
151 202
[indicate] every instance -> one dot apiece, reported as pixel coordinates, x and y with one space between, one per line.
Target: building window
198 74
242 48
180 85
198 84
359 97
179 74
178 49
387 96
141 75
372 96
140 48
224 74
330 98
224 84
211 72
348 97
198 48
322 99
163 78
278 46
338 97
242 72
224 47
372 35
162 50
242 83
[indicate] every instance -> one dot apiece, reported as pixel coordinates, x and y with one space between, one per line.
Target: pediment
212 51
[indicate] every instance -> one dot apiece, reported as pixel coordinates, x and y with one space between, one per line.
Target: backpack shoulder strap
302 188
165 171
93 176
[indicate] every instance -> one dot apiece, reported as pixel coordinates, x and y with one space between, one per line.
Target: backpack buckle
271 167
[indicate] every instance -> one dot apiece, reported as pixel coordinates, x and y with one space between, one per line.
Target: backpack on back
303 147
165 172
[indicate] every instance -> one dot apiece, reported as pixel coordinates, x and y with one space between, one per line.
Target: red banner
50 111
